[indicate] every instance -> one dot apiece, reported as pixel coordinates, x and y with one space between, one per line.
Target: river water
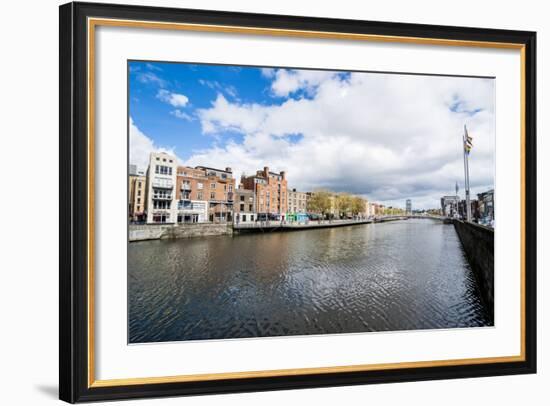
402 275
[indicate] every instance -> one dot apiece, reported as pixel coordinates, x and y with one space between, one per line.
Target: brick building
270 191
204 194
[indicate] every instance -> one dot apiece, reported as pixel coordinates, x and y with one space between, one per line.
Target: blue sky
388 137
200 84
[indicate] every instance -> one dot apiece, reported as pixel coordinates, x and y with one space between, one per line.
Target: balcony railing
166 184
162 197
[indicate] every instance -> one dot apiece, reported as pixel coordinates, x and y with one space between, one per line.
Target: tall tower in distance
408 207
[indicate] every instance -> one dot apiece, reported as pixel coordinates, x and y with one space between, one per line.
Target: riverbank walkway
295 225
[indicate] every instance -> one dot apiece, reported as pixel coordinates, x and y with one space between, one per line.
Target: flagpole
466 176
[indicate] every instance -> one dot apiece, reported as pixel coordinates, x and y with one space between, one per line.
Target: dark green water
402 275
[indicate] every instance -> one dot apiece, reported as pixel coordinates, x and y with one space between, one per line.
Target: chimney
228 170
283 174
266 171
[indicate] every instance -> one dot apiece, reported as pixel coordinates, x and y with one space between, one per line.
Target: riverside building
219 193
243 206
204 194
270 190
160 188
191 196
136 195
297 201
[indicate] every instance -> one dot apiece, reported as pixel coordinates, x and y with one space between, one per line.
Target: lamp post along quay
467 146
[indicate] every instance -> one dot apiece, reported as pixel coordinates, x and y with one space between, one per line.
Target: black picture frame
74 385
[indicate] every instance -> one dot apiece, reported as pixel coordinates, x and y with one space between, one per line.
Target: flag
467 141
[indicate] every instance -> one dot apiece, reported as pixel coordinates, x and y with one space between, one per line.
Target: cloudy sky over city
388 137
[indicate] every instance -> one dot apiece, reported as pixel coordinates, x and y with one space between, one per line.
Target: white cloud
290 81
181 114
175 99
389 137
268 72
229 90
151 66
150 77
141 147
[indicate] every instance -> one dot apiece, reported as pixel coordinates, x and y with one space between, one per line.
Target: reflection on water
403 275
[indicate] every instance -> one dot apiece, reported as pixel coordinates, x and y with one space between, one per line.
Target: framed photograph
256 202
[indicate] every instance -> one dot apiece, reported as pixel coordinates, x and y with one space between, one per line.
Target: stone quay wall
479 243
143 232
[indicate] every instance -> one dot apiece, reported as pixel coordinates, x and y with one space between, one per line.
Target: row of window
161 204
162 194
212 185
250 207
163 170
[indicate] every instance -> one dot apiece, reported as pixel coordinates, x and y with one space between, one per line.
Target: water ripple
403 275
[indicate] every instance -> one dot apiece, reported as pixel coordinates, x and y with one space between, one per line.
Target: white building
449 206
297 202
369 209
192 211
161 189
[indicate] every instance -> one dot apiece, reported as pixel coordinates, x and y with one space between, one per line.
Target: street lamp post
467 145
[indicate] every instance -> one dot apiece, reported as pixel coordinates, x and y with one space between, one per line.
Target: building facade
204 194
191 196
297 202
220 191
161 188
136 195
486 203
463 213
270 190
449 206
408 205
243 206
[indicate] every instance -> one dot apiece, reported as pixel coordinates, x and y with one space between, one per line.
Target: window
161 218
158 159
244 217
163 170
249 207
212 186
163 159
139 193
139 200
139 184
161 204
199 185
230 188
224 187
242 207
162 194
242 198
212 195
182 204
199 196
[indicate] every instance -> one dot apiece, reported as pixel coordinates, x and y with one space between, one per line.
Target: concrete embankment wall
479 243
144 232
